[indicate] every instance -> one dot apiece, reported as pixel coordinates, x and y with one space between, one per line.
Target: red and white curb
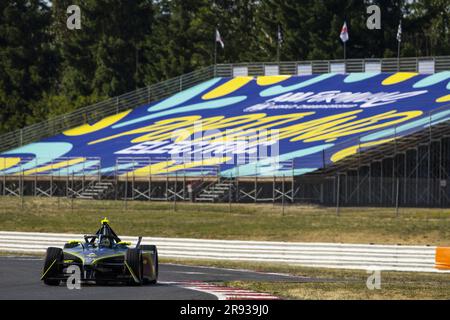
225 293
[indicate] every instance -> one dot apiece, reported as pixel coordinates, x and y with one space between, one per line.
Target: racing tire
133 260
155 250
52 261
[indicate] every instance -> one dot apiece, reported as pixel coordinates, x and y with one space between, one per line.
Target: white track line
224 293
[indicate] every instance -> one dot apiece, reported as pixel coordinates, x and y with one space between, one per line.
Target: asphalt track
19 279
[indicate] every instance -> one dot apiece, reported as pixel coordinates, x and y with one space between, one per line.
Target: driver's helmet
105 242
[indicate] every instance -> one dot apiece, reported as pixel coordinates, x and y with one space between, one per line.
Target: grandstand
354 132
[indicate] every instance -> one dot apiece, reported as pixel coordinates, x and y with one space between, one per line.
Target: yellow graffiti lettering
341 154
6 163
270 80
227 88
167 124
166 167
316 126
261 125
215 123
177 133
102 124
251 126
54 166
362 125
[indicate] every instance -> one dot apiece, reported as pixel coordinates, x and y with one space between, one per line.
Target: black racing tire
133 259
155 250
53 258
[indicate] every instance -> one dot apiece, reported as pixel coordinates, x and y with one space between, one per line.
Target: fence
327 255
398 165
413 64
152 93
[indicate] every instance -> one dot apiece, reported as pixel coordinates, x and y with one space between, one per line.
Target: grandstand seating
317 119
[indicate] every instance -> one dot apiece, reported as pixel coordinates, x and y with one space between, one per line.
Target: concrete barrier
329 255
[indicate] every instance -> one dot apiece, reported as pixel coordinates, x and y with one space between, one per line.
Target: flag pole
215 48
215 52
345 50
278 53
399 42
278 43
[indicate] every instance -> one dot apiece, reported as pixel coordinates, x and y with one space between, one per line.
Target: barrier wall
327 255
229 119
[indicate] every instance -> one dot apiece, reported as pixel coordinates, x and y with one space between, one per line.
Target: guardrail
325 255
406 64
155 92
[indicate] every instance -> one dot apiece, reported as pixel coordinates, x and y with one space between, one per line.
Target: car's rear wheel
52 264
133 261
152 248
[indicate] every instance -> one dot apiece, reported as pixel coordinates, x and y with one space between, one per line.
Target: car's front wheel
152 248
133 262
52 263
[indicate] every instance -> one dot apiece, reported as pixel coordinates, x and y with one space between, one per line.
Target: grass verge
218 221
332 284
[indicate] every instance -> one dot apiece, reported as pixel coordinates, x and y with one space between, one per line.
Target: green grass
393 288
244 221
339 284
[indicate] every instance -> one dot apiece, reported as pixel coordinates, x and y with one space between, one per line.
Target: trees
27 59
428 28
46 69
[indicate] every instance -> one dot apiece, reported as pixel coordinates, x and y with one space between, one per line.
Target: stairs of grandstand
216 192
96 190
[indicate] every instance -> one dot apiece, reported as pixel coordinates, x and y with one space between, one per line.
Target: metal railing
441 63
328 255
152 93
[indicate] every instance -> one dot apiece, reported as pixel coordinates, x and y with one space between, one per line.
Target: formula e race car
102 258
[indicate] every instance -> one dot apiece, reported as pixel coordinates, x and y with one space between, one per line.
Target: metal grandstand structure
411 169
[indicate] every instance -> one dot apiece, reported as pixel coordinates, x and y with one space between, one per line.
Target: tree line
47 69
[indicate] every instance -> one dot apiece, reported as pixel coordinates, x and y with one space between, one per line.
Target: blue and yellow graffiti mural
309 113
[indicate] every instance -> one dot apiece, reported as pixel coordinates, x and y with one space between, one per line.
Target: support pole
229 197
256 181
149 180
429 163
21 189
370 183
293 181
117 182
417 175
4 177
126 192
273 190
338 193
396 199
73 193
175 194
282 198
381 181
167 179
